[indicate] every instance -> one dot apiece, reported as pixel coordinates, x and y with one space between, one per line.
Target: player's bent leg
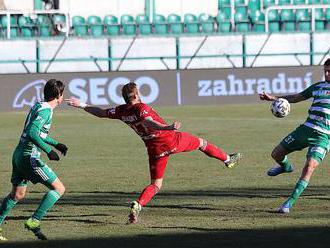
279 154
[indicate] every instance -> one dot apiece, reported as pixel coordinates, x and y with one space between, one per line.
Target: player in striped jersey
313 133
26 161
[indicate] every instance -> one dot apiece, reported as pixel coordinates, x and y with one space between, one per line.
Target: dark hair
327 62
128 91
53 89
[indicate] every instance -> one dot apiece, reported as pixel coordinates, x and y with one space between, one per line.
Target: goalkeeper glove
53 156
62 148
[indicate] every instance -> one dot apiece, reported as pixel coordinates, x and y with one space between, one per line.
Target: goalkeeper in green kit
27 164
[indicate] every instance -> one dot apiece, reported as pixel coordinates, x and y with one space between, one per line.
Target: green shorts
28 168
317 142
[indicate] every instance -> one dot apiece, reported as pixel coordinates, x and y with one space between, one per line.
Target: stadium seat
79 26
242 23
288 20
207 23
253 5
258 21
273 21
327 19
27 26
175 24
128 24
303 20
112 25
45 25
191 23
160 24
284 2
319 20
314 2
144 24
223 3
13 25
96 26
268 3
224 24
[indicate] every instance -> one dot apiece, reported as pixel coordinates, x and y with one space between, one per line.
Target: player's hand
266 97
53 156
176 125
62 148
74 102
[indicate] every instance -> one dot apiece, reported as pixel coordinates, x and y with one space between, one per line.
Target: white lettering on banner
233 86
29 94
99 91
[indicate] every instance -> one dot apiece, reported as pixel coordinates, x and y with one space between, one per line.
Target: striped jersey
34 138
319 112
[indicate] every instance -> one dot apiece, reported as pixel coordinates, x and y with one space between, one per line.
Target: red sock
214 152
147 194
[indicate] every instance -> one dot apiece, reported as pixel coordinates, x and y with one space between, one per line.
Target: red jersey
157 141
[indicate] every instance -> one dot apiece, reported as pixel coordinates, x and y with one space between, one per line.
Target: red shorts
182 142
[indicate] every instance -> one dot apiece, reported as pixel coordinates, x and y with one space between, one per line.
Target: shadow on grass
314 237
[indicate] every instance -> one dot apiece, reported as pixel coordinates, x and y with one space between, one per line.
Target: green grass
201 204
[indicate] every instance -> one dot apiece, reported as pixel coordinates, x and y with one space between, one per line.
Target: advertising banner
187 87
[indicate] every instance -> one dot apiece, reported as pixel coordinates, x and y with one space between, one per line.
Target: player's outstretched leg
135 209
34 226
230 160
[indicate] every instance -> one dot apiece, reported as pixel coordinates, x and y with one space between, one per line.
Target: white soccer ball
280 108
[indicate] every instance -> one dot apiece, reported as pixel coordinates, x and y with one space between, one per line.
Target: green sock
47 202
285 164
5 208
300 187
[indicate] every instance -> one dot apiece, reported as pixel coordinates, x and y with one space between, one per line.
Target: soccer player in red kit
161 140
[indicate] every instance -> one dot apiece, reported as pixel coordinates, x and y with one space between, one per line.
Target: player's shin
299 188
7 204
47 202
285 164
214 152
150 191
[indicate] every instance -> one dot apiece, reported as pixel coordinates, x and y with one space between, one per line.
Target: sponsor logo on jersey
29 94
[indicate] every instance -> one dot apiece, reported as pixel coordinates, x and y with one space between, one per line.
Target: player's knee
60 189
17 196
202 144
311 165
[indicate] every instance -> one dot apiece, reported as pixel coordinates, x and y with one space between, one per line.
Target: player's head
54 90
327 70
130 93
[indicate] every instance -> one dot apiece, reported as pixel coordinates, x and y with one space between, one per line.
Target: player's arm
33 131
291 98
150 123
93 110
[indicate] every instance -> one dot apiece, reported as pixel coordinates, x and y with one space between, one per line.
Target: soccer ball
280 108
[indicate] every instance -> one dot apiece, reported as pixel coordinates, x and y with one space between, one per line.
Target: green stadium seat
144 24
223 20
268 3
27 26
284 2
253 5
160 24
96 26
299 2
303 20
79 26
174 22
128 24
327 19
191 23
223 3
314 2
319 20
207 23
258 21
112 25
13 25
288 20
273 21
45 25
242 23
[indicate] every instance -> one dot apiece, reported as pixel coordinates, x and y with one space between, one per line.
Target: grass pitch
201 204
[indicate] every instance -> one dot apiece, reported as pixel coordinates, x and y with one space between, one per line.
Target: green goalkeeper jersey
34 138
319 112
